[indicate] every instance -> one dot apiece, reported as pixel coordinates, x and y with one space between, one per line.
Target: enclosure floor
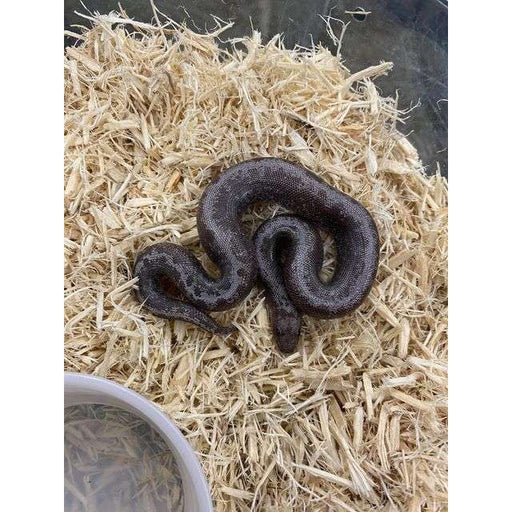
356 420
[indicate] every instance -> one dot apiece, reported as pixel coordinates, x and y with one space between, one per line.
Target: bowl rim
80 382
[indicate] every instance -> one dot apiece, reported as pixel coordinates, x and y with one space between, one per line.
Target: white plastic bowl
87 389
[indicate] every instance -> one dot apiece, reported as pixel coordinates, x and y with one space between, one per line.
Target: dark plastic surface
413 34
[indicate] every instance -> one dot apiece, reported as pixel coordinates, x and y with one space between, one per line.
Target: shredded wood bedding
356 420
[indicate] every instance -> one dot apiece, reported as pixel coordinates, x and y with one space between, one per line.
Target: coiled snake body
286 252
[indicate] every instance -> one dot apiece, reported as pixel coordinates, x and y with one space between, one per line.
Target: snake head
286 328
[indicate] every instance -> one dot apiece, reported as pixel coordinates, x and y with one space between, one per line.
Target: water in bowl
115 461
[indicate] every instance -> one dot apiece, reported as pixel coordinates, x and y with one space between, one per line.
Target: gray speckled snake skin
293 284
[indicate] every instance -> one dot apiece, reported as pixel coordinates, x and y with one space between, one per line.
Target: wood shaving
356 420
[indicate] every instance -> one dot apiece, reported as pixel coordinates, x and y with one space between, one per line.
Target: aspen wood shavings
356 420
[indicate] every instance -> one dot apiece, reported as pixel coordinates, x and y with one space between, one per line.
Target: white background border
480 144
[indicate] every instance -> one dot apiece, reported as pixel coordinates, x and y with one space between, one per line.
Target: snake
285 254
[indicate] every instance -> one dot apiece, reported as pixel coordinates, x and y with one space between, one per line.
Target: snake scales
286 252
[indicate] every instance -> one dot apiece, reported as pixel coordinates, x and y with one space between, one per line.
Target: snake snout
286 331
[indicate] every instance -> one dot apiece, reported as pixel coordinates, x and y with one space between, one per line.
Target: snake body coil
286 252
